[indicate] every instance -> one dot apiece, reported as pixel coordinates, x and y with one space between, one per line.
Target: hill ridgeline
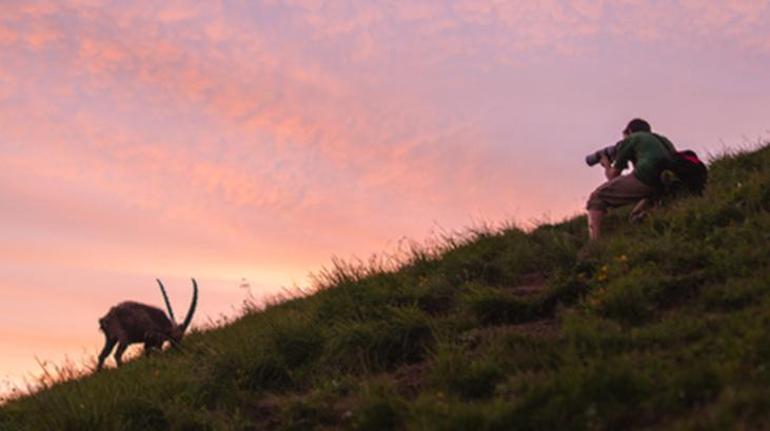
665 326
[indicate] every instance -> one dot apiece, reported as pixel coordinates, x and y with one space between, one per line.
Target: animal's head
177 330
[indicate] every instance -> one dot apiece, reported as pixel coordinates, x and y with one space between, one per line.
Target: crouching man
650 154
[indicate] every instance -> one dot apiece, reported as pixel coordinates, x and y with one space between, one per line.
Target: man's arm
624 152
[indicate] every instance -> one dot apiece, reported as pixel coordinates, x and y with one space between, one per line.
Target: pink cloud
7 36
100 56
357 127
36 7
40 35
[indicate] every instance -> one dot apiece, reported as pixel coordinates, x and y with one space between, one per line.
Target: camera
596 157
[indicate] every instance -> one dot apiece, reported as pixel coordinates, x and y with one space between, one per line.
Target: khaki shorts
619 191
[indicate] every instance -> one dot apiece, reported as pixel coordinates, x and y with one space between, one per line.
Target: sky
249 142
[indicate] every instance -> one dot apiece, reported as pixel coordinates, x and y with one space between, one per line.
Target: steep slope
665 326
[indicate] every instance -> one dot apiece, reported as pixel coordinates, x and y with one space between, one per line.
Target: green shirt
651 154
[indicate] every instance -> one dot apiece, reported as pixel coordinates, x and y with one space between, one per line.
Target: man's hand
605 162
609 171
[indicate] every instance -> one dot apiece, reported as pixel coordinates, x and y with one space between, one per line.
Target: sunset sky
232 140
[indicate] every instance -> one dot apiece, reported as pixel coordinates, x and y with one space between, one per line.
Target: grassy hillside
667 326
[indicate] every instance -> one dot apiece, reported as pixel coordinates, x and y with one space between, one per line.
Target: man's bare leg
595 223
640 210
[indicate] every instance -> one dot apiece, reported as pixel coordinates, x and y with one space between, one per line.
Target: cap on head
637 125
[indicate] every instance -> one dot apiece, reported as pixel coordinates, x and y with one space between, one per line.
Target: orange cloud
39 36
7 36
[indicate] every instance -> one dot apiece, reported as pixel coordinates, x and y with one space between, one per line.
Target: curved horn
165 298
193 304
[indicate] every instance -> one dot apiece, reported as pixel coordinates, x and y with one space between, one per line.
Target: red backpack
690 171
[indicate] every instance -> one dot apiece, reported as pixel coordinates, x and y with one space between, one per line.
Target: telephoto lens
593 158
596 157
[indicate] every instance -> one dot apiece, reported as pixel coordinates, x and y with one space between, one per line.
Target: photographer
650 153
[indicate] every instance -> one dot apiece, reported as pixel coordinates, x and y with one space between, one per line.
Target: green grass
665 326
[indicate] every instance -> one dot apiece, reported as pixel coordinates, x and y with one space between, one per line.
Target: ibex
131 322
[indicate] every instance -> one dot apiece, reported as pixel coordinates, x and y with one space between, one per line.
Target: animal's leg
109 343
153 341
150 346
122 346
